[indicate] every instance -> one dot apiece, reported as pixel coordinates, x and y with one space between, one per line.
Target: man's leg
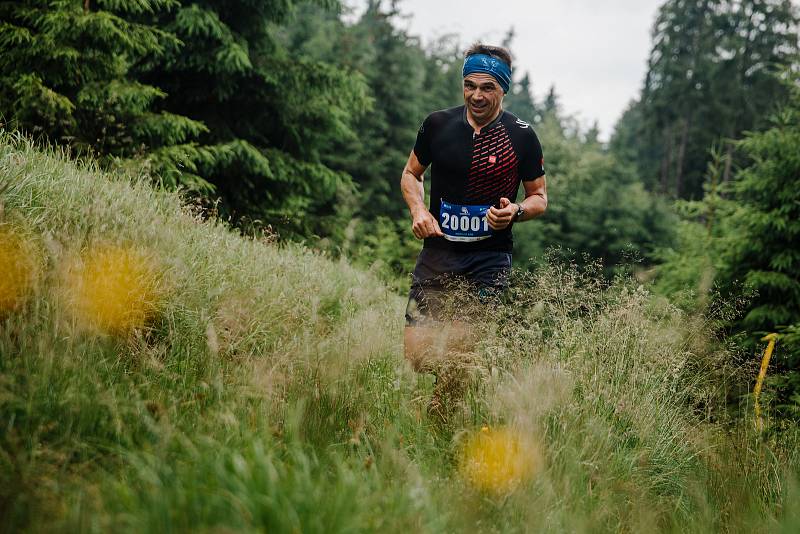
428 346
434 342
490 272
429 333
437 346
428 337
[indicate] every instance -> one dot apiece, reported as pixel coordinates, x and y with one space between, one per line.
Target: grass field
159 372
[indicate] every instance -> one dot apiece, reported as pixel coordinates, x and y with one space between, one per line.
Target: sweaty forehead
479 78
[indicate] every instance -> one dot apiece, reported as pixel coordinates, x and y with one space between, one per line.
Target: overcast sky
595 52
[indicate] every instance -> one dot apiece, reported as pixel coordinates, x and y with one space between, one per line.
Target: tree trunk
726 174
681 156
666 158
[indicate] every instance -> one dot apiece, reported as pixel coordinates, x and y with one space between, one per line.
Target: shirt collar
485 128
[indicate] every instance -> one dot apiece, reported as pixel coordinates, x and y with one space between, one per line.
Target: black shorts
439 274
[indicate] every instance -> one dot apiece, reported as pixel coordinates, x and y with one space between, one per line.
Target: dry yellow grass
499 460
112 289
18 265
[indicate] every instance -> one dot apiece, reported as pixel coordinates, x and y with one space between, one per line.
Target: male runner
478 154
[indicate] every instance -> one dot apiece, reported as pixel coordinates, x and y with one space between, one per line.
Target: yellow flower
113 289
18 269
498 460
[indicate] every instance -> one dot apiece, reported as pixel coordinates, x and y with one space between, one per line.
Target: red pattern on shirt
489 180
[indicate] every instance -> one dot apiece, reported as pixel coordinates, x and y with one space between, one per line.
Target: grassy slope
270 393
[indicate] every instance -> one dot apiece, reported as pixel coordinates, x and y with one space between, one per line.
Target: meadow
160 372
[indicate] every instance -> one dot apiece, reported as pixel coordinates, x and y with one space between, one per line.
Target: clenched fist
424 225
500 218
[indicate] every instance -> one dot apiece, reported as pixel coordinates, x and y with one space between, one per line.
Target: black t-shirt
476 169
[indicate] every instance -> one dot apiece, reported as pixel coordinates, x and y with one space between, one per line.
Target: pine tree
592 135
405 82
520 99
626 143
758 39
396 70
65 74
676 93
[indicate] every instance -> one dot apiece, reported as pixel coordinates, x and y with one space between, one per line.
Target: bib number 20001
464 223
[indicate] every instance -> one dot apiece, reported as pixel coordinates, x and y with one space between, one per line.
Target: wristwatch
520 211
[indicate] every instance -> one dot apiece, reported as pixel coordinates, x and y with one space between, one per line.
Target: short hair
503 54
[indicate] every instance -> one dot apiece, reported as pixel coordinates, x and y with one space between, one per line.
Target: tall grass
267 391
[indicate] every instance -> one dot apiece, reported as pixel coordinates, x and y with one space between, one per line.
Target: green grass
270 393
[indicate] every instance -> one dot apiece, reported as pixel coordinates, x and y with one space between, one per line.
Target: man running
478 155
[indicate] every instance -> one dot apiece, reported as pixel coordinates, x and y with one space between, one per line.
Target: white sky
594 51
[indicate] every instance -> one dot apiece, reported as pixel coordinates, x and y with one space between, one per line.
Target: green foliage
200 95
710 77
270 393
597 210
271 113
738 248
685 271
764 227
299 121
404 83
384 246
521 101
66 75
627 146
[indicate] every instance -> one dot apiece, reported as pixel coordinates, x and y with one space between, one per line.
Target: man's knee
418 347
425 346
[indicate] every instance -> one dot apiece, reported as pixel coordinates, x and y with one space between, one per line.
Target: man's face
482 96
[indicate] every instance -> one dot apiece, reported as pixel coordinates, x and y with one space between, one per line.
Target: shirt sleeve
422 148
531 165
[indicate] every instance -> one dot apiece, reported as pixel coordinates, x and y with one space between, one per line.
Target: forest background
293 122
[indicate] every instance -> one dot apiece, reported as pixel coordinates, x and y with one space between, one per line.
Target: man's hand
424 225
499 218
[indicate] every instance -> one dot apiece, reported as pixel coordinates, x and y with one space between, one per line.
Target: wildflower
497 461
18 266
114 289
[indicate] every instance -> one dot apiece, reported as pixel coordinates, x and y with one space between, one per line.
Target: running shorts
439 274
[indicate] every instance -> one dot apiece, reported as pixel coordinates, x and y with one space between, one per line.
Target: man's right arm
423 223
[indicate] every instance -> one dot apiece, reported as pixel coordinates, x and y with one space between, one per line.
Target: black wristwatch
520 211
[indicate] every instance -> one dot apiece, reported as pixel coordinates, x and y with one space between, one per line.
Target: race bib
464 223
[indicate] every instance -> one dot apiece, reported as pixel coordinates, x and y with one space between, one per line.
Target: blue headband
499 70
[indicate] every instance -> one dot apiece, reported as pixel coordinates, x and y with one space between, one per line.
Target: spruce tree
763 229
676 95
394 67
65 75
405 82
598 210
710 77
270 112
520 101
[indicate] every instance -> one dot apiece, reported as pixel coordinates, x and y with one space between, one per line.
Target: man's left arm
533 205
